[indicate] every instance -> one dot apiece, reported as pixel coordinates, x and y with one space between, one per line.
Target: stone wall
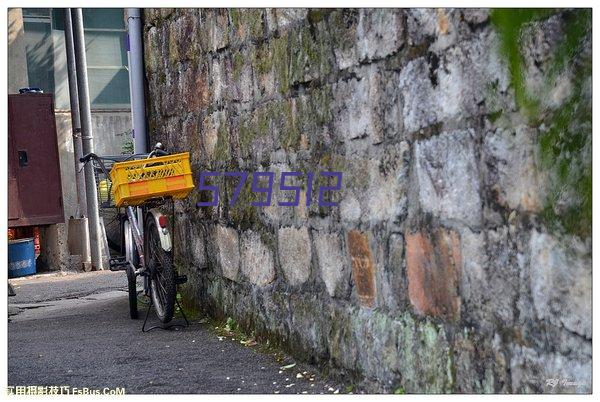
449 264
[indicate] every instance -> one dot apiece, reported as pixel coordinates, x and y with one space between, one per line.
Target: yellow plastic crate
135 181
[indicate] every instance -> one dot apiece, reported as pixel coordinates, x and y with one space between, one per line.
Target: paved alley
74 330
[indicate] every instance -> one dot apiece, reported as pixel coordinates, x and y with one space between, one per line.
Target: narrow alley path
74 331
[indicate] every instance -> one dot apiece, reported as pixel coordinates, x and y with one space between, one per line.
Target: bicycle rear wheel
162 276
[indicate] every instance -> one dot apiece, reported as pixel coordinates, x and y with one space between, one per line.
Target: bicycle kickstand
163 326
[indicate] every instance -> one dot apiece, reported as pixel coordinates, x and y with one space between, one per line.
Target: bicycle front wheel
162 276
132 257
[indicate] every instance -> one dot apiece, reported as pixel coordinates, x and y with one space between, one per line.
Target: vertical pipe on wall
75 121
87 140
84 239
136 79
135 58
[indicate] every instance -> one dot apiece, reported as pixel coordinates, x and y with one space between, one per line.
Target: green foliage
399 391
566 132
509 23
189 307
230 325
577 24
566 152
127 147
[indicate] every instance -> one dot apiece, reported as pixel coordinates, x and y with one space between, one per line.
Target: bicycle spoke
160 267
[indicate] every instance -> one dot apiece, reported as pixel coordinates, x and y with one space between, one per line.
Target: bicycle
138 186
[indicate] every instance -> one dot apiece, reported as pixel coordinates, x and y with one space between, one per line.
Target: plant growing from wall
565 131
127 146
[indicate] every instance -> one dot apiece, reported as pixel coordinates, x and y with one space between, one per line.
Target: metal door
34 184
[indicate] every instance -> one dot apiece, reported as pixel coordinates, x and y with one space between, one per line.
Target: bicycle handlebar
86 158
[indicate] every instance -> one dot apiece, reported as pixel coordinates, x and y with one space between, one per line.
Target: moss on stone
263 61
235 19
310 54
509 23
565 143
222 147
280 58
290 135
243 213
245 135
342 24
320 105
316 15
255 126
246 23
237 65
253 18
566 153
173 45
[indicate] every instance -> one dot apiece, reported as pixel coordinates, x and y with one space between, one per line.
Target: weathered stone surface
367 106
343 24
240 81
354 118
210 126
503 268
350 209
473 286
195 89
311 56
331 261
463 78
391 281
514 182
540 42
448 176
227 251
385 199
534 372
423 356
151 50
256 259
561 282
475 15
374 189
433 269
454 85
470 378
197 247
289 16
294 254
246 24
190 245
380 33
418 110
185 28
422 23
363 268
215 27
420 104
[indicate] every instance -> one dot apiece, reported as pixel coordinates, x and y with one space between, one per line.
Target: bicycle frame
132 215
137 235
160 276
